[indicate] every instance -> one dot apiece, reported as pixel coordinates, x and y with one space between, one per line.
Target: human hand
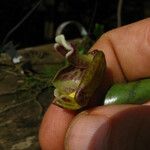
127 51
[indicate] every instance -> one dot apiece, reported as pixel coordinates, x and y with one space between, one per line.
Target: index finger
127 51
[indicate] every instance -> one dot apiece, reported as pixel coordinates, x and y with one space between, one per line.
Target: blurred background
40 26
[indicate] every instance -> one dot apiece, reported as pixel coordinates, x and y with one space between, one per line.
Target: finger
127 51
53 128
110 128
147 103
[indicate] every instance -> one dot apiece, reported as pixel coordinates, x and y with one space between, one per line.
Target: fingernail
88 132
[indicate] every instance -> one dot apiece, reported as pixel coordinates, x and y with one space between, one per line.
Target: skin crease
121 127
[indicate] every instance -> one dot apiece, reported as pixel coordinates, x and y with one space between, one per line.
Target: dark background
40 27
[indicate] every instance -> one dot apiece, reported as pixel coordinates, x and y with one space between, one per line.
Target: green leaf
98 30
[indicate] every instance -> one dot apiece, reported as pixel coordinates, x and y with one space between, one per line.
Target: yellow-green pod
137 92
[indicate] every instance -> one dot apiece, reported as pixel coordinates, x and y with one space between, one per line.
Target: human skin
115 127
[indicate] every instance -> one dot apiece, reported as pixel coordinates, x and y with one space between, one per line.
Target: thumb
110 128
